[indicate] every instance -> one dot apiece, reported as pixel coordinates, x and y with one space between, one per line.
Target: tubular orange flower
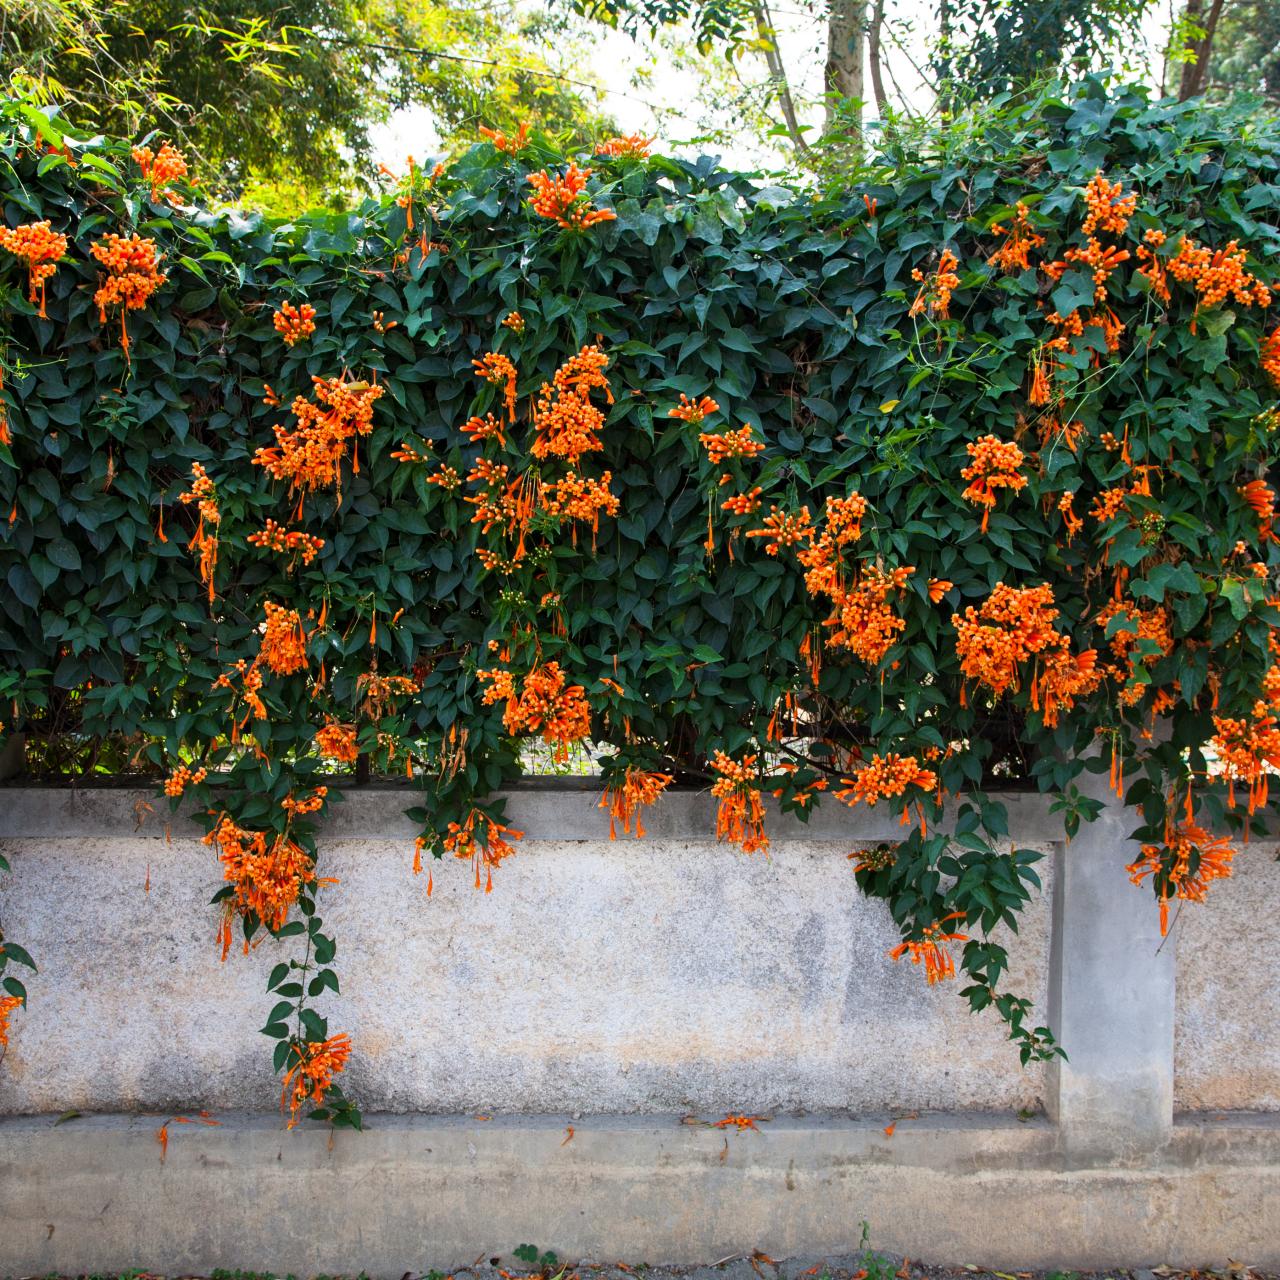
936 289
1184 866
1271 355
7 1005
625 803
1011 625
510 145
740 816
266 870
337 741
1217 274
484 841
743 504
562 199
294 324
205 539
314 1064
133 275
514 321
161 168
182 778
724 445
783 529
929 949
1248 750
1260 496
863 620
495 368
284 643
632 145
275 537
546 705
884 778
40 247
1019 240
995 465
694 411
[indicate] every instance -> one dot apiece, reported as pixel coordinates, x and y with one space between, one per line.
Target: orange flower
783 529
863 620
638 790
1066 509
266 870
694 411
631 145
284 643
1109 207
511 145
1247 750
40 247
567 423
1185 846
133 268
497 369
546 705
181 778
936 289
740 816
1011 626
287 541
1217 274
161 168
995 465
514 321
743 504
294 324
929 949
1020 240
205 539
7 1005
314 1065
884 778
310 455
562 199
337 741
727 444
938 587
1260 496
484 841
1271 355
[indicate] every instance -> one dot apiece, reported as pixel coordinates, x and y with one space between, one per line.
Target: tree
287 95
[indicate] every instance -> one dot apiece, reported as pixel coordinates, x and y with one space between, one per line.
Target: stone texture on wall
657 976
1227 1031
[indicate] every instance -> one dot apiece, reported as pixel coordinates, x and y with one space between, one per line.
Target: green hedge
793 310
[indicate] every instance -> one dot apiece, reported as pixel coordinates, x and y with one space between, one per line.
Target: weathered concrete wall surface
413 1193
638 976
1227 1031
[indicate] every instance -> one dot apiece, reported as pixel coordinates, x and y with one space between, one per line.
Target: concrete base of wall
414 1192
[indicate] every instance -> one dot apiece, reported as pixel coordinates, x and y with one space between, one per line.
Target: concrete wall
641 980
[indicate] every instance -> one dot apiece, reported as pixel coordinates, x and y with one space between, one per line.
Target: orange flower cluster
930 951
1271 355
1247 749
267 870
484 841
884 778
7 1005
625 803
581 498
740 815
511 145
40 247
567 423
284 643
287 541
1011 626
996 465
310 455
482 429
936 289
560 199
302 805
863 619
294 324
182 778
724 445
694 411
1216 275
783 529
1262 499
1109 207
1186 864
311 1075
161 168
514 321
632 145
337 741
1152 624
1020 240
205 539
250 691
546 705
495 368
743 504
134 274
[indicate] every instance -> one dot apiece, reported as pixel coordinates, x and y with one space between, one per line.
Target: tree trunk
873 58
1195 75
778 73
846 56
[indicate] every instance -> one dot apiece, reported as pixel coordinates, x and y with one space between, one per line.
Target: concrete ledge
550 809
415 1192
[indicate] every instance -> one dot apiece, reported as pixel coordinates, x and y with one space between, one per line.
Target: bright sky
642 78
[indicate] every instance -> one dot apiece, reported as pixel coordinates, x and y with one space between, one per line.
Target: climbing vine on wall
873 496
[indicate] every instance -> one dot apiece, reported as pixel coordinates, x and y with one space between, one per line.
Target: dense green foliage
794 310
